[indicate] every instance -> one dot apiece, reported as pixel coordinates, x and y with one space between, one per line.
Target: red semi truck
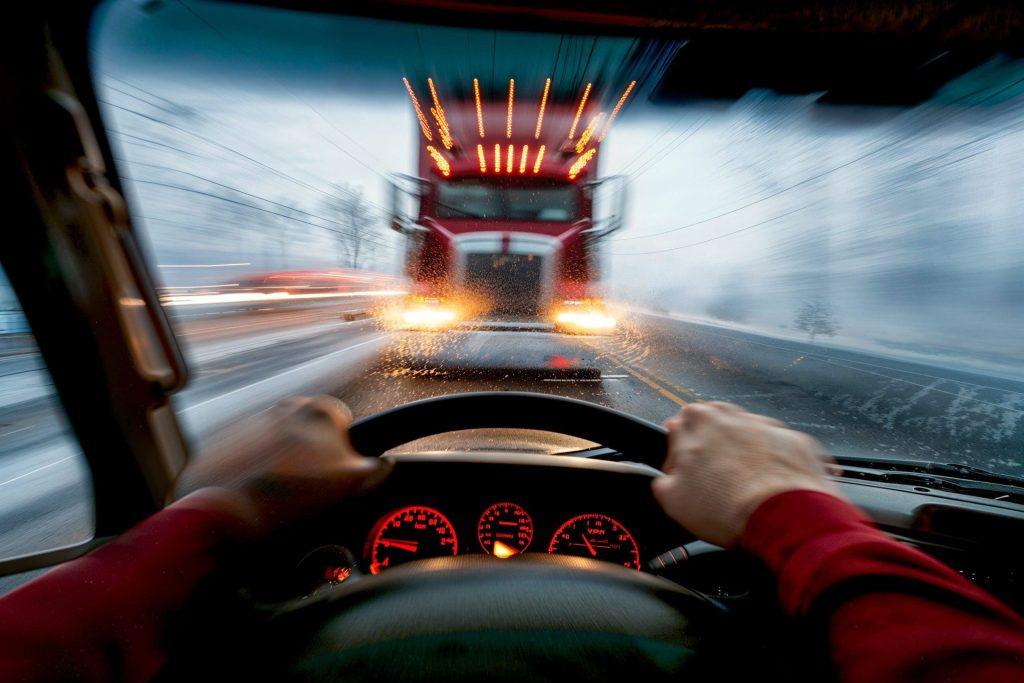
500 222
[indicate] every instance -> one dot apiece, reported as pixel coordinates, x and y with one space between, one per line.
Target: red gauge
599 537
504 530
411 533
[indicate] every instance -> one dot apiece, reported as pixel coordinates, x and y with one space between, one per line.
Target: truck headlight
428 317
585 321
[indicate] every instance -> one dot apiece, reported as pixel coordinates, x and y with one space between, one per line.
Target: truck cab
500 222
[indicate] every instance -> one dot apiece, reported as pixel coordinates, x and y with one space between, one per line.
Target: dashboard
503 530
496 505
506 506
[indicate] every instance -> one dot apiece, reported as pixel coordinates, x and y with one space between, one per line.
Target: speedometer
410 533
596 536
504 530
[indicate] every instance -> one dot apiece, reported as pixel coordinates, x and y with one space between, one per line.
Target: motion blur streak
479 108
615 111
424 125
245 297
511 100
540 112
540 158
579 111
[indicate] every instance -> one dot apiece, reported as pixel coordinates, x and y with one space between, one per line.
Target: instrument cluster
503 529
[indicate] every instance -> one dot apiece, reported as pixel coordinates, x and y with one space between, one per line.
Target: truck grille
509 283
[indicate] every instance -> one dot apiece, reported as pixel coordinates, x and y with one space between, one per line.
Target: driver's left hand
290 463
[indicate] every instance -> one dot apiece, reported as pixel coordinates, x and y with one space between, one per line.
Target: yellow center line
682 390
653 381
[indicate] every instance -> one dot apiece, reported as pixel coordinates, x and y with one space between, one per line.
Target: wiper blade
926 467
944 476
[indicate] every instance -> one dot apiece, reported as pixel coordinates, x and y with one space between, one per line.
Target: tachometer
410 533
504 530
599 537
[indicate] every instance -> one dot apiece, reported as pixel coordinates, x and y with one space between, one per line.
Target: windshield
849 266
475 199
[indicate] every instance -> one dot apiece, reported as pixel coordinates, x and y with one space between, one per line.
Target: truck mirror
394 193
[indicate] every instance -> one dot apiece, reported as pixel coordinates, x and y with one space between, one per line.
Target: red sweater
893 613
102 617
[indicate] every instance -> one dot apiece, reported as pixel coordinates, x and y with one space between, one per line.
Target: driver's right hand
723 462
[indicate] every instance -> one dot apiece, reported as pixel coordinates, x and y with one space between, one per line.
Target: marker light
511 99
442 129
540 158
424 126
579 110
510 158
581 162
615 111
522 159
595 121
442 164
483 159
540 112
442 121
497 158
479 109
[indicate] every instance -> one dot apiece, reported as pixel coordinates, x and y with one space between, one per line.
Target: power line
671 147
242 192
713 239
880 148
195 13
211 195
137 139
226 148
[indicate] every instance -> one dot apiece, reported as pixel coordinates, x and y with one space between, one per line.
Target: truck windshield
477 199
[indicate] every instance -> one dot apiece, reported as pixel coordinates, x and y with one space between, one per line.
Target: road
242 361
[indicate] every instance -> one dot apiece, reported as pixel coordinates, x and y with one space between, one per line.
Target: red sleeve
893 613
101 617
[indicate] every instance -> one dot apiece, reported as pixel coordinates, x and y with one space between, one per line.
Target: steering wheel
535 617
643 441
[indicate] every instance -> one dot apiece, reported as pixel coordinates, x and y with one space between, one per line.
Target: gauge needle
410 546
503 551
586 542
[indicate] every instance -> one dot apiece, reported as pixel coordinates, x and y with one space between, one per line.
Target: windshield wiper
943 476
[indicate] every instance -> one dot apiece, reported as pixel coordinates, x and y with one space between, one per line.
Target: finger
768 420
673 423
725 406
334 408
696 415
662 490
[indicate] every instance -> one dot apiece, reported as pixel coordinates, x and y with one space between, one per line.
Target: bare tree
348 208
